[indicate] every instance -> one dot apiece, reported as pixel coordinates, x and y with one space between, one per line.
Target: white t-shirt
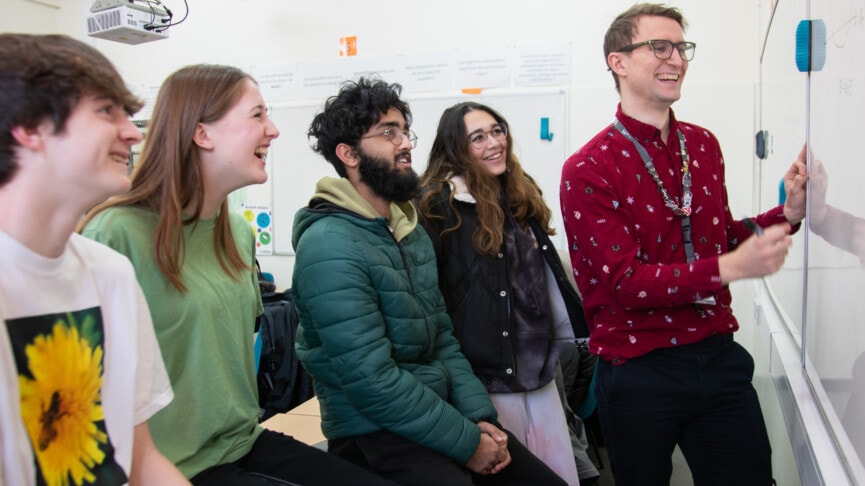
79 364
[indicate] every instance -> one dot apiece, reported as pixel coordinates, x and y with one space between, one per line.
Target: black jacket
477 292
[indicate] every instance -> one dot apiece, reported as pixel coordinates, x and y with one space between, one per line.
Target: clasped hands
491 455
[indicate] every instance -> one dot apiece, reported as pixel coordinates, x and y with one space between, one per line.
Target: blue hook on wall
545 129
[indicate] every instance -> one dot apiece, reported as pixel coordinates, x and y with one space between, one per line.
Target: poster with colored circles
261 220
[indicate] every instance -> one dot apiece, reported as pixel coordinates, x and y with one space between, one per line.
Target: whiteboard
822 284
295 168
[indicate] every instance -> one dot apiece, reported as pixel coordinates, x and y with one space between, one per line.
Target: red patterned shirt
626 246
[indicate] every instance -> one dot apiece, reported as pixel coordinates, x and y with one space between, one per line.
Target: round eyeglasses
663 49
396 136
478 139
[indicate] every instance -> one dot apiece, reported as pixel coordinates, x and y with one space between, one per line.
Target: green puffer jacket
374 332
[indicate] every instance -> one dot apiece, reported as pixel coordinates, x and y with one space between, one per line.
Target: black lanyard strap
683 212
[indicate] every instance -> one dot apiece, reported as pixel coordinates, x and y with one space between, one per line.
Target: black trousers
277 459
698 396
398 459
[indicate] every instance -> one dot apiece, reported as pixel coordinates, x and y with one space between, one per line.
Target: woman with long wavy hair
208 136
503 282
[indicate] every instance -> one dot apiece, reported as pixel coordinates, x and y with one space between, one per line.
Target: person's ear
201 136
347 155
616 63
29 138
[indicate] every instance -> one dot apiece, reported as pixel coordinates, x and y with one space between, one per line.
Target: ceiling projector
128 21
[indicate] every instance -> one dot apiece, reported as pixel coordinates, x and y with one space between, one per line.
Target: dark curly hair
348 115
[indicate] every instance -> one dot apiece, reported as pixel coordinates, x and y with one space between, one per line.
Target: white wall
718 91
42 16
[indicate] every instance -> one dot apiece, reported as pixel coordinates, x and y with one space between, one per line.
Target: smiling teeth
494 156
668 77
261 153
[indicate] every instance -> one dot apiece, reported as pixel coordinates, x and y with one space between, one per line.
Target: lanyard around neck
683 212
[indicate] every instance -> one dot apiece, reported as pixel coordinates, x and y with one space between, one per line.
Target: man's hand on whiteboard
794 184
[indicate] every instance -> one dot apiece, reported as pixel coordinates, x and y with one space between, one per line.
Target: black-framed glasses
478 139
663 49
396 136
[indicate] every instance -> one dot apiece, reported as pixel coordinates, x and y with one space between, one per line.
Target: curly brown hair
450 157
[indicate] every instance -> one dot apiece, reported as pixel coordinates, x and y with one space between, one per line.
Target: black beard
388 183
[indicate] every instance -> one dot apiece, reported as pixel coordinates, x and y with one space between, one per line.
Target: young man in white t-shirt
80 368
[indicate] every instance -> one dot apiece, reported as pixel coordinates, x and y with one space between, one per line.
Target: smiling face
492 154
376 144
235 146
644 78
92 152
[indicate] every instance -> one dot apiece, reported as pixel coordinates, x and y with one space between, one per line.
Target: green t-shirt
205 334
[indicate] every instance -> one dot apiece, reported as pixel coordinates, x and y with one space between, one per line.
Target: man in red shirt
654 247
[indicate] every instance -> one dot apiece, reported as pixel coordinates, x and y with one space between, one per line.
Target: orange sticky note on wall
348 46
474 91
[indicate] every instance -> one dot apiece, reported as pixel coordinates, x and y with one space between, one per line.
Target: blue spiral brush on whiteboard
810 57
810 45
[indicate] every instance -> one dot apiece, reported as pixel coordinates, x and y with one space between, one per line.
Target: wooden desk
302 422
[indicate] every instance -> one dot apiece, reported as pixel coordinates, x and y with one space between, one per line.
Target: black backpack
282 382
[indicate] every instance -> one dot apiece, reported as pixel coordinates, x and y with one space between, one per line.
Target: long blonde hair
169 176
449 156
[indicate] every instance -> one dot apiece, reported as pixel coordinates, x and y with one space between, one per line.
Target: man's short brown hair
44 77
